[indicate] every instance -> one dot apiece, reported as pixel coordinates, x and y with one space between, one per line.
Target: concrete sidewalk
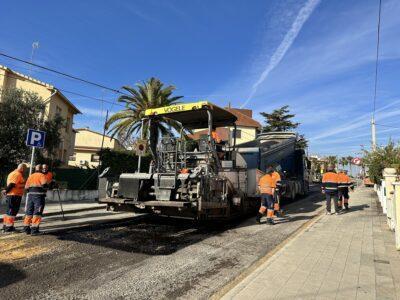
350 256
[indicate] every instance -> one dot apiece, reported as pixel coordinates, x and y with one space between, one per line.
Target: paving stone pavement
349 256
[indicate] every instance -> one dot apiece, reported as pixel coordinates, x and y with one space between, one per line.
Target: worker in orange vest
267 187
13 192
36 187
218 143
344 183
49 175
277 180
215 136
330 189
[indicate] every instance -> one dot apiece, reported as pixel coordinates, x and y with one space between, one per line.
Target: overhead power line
377 55
62 73
74 93
389 126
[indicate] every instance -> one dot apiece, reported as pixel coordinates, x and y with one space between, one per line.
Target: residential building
56 103
246 127
87 145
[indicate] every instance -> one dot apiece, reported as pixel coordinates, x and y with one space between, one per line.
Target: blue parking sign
35 138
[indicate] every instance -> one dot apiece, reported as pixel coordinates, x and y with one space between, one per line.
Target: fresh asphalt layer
142 257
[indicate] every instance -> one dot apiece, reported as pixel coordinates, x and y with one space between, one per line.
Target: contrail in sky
303 15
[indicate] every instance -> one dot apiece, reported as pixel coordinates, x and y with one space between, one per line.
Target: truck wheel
306 188
293 194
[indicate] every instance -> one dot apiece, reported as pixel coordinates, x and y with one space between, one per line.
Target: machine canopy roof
194 115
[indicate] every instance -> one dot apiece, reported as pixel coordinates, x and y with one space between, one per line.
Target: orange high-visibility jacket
216 137
330 181
36 183
19 181
267 184
276 177
343 180
49 176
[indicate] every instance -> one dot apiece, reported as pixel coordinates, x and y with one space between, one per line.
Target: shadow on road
155 235
9 274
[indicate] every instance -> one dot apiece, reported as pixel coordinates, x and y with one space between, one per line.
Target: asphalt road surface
142 258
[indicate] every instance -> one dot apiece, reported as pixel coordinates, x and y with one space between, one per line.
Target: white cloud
360 121
303 15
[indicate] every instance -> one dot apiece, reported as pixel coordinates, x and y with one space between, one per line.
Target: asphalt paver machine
200 180
203 179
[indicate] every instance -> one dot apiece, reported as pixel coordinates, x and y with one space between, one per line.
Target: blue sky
316 56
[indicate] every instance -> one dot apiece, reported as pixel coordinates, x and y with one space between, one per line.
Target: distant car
367 182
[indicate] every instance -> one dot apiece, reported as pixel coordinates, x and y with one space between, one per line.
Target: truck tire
293 193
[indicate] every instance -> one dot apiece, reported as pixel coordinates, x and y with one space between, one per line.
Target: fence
389 197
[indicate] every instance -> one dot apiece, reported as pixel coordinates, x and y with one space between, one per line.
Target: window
238 133
73 157
58 110
95 158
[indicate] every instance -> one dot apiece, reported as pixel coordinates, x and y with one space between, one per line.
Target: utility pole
373 129
373 134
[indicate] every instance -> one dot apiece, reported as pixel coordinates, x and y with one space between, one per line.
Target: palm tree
332 160
343 161
149 94
350 160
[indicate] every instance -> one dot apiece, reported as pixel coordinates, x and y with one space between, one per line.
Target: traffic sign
141 147
35 138
356 161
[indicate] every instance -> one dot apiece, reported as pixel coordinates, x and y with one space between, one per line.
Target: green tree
332 160
279 120
19 111
302 142
350 160
343 162
149 94
382 157
52 127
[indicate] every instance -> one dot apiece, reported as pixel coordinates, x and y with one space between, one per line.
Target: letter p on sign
35 138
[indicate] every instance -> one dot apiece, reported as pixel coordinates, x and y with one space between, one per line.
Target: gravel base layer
157 258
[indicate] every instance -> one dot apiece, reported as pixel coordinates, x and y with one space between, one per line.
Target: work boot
9 229
35 231
258 218
27 229
270 221
328 213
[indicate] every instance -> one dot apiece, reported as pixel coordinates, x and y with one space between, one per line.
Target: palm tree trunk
153 139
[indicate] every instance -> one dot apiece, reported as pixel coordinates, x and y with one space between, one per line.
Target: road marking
248 271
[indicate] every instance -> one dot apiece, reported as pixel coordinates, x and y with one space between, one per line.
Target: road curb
66 212
248 271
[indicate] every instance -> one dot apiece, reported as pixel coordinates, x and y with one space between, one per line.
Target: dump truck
206 180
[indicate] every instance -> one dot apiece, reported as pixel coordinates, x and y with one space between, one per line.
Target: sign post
35 139
140 148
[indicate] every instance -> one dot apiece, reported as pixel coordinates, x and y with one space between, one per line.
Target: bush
382 157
